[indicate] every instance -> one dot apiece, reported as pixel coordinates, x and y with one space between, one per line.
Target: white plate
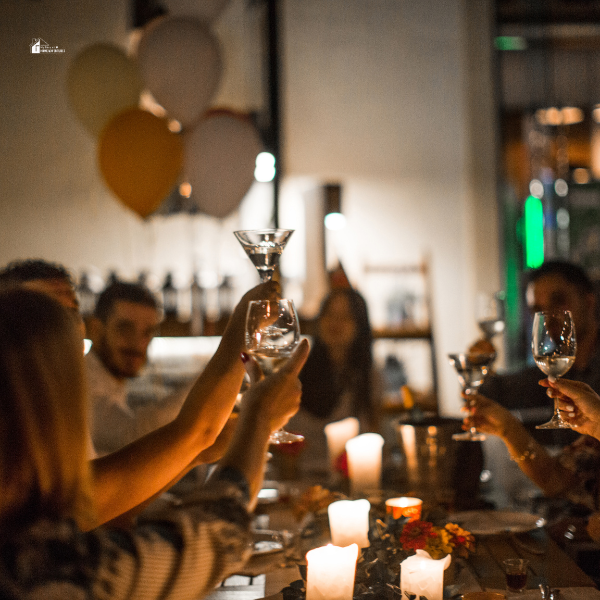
493 522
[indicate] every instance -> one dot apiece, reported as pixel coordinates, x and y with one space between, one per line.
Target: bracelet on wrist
528 454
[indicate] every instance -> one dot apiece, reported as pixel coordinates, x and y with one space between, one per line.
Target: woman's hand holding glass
489 417
578 404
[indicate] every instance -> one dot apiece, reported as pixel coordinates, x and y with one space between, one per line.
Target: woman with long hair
338 378
46 501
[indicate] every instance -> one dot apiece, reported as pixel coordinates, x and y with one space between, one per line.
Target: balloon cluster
142 156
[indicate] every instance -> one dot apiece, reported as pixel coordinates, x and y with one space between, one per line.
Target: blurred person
556 285
338 379
510 405
48 496
126 480
125 320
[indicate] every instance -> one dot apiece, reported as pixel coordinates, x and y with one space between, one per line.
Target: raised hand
489 417
578 403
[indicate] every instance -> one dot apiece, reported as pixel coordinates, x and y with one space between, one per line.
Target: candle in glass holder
338 433
349 522
404 507
364 462
331 572
423 576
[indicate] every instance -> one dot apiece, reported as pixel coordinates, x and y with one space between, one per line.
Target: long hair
44 469
322 387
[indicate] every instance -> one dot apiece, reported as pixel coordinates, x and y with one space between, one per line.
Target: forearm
247 452
535 462
130 476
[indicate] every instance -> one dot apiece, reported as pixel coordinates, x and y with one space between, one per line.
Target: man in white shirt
125 320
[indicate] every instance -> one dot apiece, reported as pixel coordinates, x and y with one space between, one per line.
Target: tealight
404 507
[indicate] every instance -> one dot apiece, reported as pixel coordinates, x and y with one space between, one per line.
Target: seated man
125 320
126 480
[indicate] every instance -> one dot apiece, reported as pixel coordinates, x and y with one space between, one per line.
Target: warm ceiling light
581 175
185 189
571 115
567 115
596 113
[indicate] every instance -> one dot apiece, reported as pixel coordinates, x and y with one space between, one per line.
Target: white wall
393 99
390 97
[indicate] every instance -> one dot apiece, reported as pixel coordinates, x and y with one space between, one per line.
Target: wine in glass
264 247
554 346
272 334
471 369
490 312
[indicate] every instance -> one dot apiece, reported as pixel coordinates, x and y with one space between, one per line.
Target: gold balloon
140 159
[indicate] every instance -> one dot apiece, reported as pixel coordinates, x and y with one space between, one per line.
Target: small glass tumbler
515 570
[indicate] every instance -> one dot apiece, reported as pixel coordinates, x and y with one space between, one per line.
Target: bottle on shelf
198 308
169 297
86 296
412 412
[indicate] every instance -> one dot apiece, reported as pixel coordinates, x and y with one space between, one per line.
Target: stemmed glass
272 334
264 247
471 370
554 346
490 313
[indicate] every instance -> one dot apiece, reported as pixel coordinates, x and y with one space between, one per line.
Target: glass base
554 423
282 436
469 436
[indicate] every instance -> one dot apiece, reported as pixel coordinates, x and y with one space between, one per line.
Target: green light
534 232
510 42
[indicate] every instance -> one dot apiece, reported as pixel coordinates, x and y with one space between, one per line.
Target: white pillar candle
349 522
331 572
364 462
338 433
422 575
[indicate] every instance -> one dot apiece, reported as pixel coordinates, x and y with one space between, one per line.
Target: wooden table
483 570
547 562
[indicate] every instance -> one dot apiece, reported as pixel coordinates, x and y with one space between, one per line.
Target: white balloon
205 10
180 62
219 158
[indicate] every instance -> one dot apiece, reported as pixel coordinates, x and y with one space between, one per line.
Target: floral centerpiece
378 566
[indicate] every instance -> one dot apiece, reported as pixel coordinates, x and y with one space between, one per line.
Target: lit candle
404 507
349 522
338 434
331 572
422 575
364 462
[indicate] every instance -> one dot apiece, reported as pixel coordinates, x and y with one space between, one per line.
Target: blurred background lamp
561 187
581 175
334 219
265 167
536 188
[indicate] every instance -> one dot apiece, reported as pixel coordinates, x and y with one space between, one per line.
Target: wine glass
264 247
490 313
554 345
471 369
272 334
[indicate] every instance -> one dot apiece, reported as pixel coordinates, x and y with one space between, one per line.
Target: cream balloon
219 159
101 82
180 62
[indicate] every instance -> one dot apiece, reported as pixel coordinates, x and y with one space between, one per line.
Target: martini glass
264 247
272 334
554 345
471 370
